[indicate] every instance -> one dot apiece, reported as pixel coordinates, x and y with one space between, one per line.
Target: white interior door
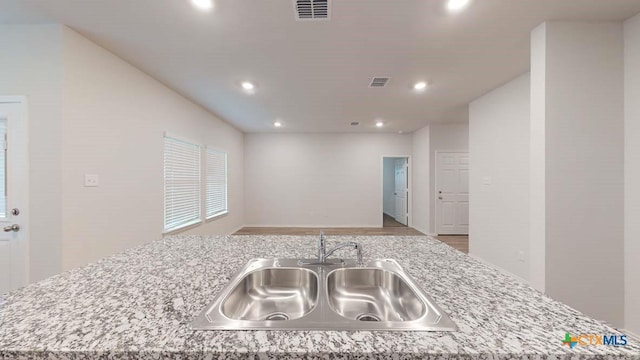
400 193
452 192
13 194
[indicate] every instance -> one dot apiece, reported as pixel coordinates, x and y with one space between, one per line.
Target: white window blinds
182 194
216 182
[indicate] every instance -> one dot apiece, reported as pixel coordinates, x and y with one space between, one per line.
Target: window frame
199 219
206 187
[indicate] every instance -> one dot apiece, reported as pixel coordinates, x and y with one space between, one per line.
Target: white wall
114 118
421 181
31 65
389 186
537 158
584 137
632 173
317 179
499 150
443 137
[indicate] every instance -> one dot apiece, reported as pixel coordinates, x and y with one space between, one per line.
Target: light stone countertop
138 304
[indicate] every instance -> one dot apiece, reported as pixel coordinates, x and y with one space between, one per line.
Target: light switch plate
90 180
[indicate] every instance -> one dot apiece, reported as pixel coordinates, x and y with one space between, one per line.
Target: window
182 188
216 182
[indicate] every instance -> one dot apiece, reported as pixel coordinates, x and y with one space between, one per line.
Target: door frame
409 190
435 183
22 102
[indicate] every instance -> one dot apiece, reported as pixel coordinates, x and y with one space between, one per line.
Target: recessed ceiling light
277 124
248 86
379 123
421 85
203 4
456 5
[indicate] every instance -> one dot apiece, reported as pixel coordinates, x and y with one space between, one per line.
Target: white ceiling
314 76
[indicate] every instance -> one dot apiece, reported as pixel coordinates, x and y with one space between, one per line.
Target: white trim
13 99
205 169
494 266
237 229
25 232
200 220
183 227
167 134
409 188
436 207
217 215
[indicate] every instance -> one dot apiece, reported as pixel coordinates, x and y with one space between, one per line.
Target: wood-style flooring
388 221
459 242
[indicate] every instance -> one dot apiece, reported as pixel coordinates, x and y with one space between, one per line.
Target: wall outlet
90 180
521 256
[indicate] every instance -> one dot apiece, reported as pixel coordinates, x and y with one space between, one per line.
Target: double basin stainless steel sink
292 294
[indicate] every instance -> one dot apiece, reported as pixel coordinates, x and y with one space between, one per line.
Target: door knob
14 228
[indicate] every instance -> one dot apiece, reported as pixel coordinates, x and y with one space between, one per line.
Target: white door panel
401 188
13 194
452 193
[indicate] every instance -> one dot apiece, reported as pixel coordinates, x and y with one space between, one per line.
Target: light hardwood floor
388 221
459 242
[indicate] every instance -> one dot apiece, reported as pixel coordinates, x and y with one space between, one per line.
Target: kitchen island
138 305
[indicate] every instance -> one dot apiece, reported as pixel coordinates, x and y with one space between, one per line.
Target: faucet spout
353 245
322 248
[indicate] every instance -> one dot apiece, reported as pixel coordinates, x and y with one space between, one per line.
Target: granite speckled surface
137 305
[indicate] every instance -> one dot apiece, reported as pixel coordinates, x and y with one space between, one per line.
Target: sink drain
367 317
277 316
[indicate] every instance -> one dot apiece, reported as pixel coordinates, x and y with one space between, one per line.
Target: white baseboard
236 230
494 266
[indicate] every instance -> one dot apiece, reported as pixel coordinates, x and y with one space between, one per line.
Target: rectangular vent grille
312 9
355 123
379 82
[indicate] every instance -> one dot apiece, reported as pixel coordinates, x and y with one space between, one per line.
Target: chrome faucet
323 254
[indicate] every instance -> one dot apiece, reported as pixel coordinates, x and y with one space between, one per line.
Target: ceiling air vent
312 9
379 82
355 123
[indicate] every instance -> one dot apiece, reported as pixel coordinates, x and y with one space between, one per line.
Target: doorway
14 173
395 192
452 192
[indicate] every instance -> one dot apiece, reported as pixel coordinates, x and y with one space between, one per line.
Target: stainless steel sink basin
373 295
272 294
295 294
